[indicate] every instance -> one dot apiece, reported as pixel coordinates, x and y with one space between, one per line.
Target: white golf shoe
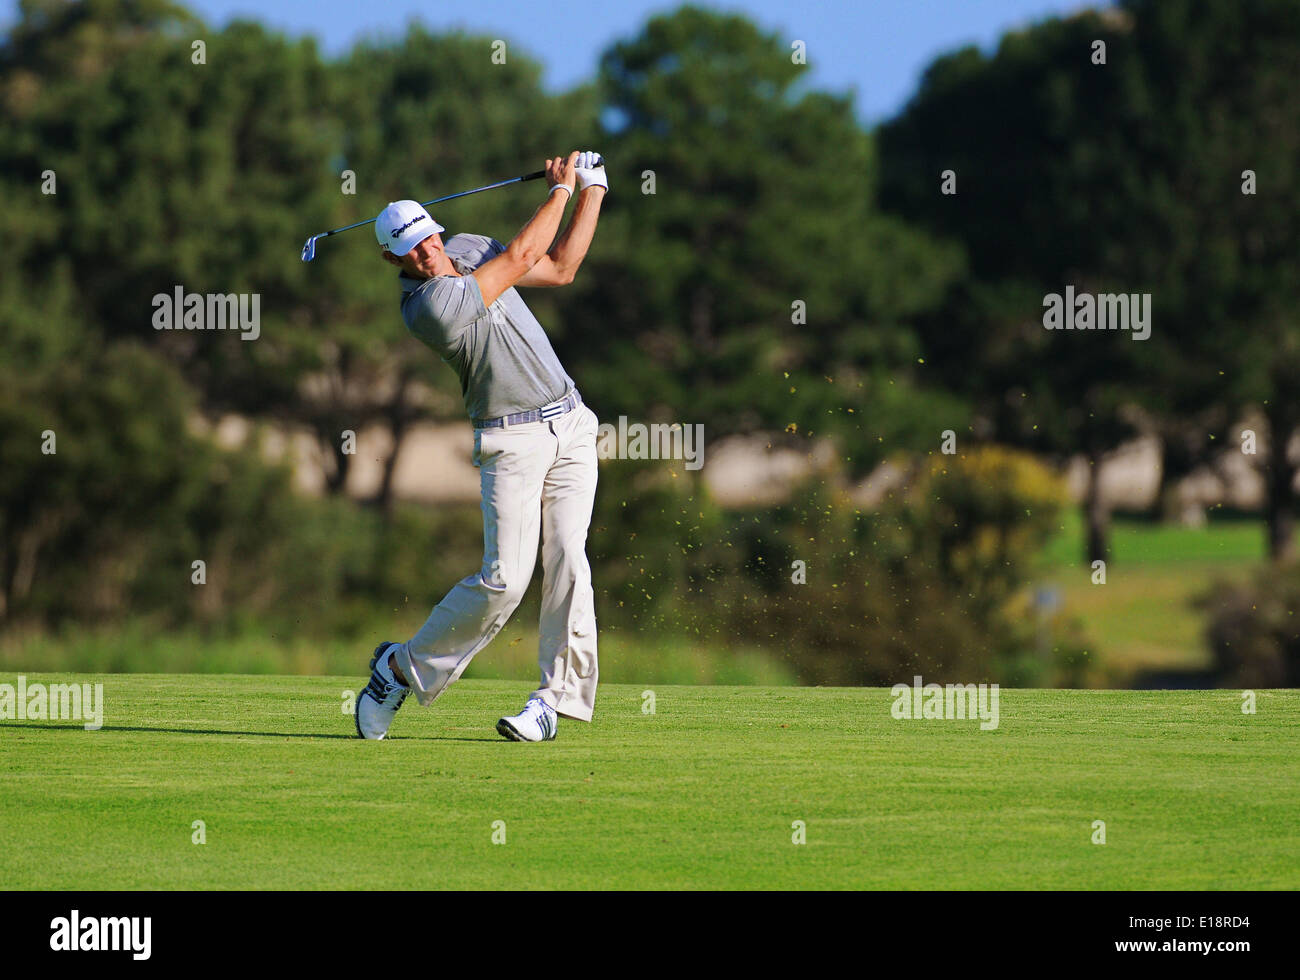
382 697
536 723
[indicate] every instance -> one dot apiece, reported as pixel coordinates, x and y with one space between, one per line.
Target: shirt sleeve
473 250
442 312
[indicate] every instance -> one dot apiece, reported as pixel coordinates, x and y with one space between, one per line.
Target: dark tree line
764 264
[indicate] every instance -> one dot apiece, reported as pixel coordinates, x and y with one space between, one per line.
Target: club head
309 250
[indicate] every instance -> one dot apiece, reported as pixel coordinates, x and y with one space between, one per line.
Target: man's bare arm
528 247
560 264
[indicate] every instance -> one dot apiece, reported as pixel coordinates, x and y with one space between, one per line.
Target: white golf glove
591 170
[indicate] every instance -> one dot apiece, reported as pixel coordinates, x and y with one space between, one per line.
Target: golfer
534 445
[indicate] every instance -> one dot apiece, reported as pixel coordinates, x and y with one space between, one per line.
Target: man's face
423 261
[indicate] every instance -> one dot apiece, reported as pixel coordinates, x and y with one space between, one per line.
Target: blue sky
875 48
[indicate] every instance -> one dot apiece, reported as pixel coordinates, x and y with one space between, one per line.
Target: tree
1218 97
761 209
1026 135
209 176
1124 176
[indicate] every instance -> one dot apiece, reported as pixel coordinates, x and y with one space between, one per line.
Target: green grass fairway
701 794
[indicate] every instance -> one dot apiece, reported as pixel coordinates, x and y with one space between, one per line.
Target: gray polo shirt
504 359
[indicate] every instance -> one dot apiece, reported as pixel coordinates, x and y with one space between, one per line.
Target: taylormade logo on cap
401 226
398 231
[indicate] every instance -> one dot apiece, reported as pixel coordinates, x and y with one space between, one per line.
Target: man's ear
390 257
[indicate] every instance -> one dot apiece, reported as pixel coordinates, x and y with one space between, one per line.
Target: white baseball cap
402 225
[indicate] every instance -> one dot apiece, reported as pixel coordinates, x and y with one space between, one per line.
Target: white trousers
537 479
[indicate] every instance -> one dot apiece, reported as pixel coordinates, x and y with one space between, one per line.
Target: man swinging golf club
534 445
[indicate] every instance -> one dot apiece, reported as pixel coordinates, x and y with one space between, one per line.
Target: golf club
309 249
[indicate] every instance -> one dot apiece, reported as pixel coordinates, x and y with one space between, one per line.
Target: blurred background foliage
923 314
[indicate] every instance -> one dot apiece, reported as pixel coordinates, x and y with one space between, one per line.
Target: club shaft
489 187
438 200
